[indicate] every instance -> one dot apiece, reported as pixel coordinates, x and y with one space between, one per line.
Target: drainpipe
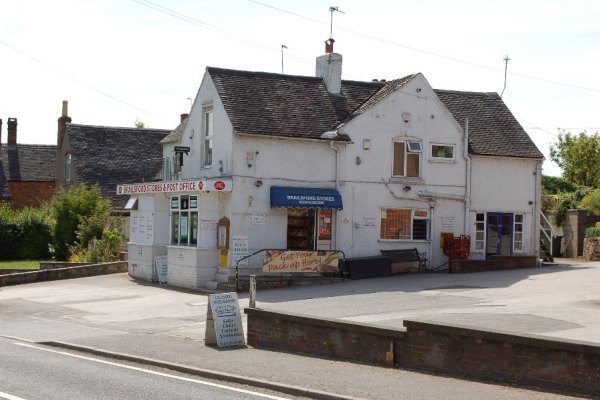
337 163
468 176
536 211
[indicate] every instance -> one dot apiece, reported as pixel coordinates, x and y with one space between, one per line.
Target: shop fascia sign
198 185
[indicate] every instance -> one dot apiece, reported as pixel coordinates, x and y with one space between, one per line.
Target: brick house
27 176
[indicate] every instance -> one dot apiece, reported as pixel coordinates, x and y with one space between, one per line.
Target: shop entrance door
301 229
309 229
499 234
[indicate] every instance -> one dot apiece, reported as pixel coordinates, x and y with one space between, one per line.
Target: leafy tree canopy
556 185
579 158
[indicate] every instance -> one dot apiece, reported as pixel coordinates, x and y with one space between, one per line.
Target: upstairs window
68 168
442 152
407 158
208 136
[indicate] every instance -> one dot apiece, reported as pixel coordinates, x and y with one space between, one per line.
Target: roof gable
112 155
493 130
285 105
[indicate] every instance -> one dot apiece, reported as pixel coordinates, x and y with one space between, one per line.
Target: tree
579 158
80 214
556 185
139 124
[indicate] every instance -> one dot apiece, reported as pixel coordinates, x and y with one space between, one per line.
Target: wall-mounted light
407 188
406 117
258 183
366 144
358 160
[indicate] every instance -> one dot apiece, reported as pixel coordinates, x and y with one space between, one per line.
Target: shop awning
302 197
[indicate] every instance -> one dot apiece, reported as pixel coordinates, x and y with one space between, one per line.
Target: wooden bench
406 260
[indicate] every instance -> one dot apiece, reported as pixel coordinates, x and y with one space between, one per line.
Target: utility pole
506 60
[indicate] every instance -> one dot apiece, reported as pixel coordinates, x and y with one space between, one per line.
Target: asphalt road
118 314
29 371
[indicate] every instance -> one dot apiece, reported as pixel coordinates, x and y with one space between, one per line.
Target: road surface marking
10 396
181 378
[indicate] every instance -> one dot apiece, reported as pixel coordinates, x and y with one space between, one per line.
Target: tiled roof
493 130
284 105
4 190
299 106
29 162
176 134
110 156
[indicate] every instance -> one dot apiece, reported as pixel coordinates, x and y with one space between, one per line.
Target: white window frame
410 147
433 157
413 218
68 162
207 136
518 244
479 243
186 205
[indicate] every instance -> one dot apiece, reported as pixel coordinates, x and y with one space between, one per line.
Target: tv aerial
332 10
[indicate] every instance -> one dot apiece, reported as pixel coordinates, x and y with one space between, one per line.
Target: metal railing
546 233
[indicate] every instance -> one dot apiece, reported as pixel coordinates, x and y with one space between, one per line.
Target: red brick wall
321 336
30 194
525 360
499 263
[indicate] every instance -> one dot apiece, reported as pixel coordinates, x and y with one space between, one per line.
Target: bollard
252 291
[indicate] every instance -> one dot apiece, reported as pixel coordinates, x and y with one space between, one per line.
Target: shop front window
184 220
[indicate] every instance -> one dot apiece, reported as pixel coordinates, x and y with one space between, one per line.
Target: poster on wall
134 229
183 235
149 229
300 261
240 249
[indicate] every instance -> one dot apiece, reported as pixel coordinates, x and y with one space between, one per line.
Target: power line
80 82
431 53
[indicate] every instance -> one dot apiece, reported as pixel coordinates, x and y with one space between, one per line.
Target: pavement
118 317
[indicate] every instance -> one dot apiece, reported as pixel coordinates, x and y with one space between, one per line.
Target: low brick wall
524 360
498 263
63 273
464 352
321 337
60 264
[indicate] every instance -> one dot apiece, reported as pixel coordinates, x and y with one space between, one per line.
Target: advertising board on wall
300 261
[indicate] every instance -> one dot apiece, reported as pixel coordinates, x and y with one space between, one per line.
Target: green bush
24 234
105 249
592 232
79 215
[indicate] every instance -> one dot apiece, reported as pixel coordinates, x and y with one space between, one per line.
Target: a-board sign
224 321
161 268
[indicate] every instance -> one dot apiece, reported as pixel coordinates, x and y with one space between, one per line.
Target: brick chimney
12 132
183 117
329 67
62 123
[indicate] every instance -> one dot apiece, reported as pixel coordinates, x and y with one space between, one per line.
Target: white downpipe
337 166
468 176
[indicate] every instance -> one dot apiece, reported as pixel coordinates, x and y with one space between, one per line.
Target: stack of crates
457 247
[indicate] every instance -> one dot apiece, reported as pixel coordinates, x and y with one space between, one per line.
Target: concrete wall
574 228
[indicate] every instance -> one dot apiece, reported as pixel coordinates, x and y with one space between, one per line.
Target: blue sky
116 61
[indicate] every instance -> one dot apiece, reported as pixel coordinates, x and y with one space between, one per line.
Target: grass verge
20 264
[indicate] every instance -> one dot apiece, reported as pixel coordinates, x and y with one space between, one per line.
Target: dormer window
407 158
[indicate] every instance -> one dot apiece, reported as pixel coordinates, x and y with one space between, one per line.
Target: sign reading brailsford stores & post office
224 321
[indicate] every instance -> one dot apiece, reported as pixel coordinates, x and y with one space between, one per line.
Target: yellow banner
300 261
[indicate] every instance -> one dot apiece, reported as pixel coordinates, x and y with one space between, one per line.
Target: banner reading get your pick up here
300 261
